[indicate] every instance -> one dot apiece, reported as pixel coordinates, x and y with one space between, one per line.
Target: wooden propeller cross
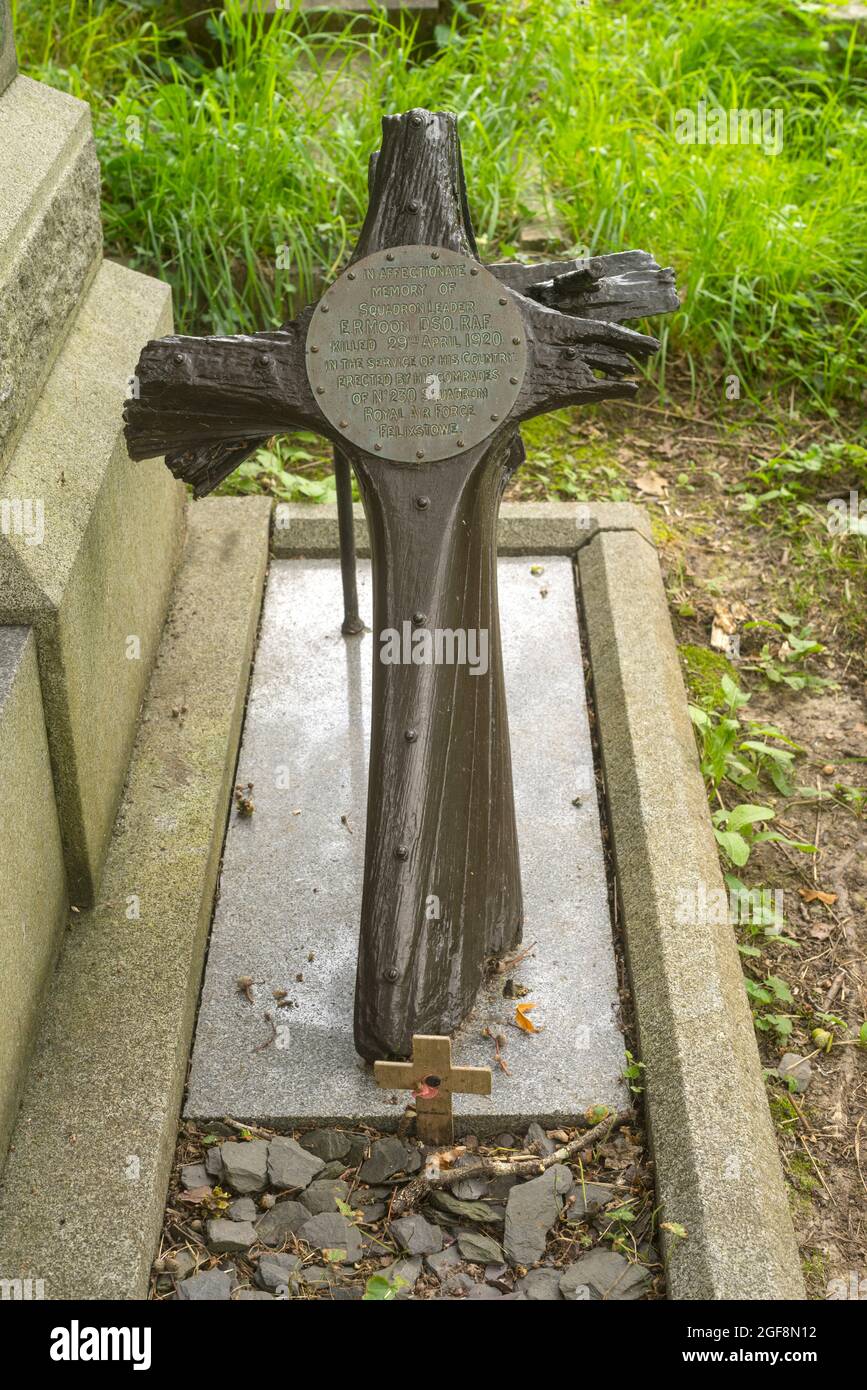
419 365
433 1080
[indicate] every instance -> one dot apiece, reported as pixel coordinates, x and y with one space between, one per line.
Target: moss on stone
703 671
802 1173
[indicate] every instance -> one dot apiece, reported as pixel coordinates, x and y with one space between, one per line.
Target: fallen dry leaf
812 895
513 989
447 1158
726 618
652 484
523 1021
728 615
196 1195
820 932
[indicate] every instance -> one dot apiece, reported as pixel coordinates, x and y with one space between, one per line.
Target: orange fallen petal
521 1011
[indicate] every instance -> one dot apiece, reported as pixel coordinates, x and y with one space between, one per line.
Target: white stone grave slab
290 890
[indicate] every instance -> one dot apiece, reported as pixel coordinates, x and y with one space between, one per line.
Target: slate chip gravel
307 1217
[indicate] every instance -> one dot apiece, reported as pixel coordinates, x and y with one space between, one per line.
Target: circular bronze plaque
416 353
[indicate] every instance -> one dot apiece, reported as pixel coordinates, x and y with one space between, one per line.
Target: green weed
239 172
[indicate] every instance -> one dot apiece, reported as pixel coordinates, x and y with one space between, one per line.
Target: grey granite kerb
523 528
717 1164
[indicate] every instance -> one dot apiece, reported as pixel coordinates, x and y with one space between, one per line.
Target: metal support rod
352 623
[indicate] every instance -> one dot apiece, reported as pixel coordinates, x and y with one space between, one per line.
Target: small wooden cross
433 1080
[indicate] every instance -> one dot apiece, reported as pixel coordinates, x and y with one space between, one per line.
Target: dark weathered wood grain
574 361
626 285
440 821
445 795
418 191
207 403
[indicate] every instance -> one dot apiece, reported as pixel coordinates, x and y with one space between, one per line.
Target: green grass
239 173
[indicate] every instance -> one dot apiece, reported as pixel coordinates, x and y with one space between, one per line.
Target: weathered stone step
50 237
84 1188
32 878
88 547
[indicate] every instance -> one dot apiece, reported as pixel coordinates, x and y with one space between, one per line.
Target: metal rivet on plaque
460 443
179 357
314 348
391 975
344 424
495 417
401 852
434 255
377 447
413 207
351 275
389 255
419 619
419 453
410 735
503 299
320 390
474 270
324 308
570 352
417 120
422 503
516 341
513 380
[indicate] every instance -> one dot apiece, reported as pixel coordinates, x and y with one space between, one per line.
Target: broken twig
525 1165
